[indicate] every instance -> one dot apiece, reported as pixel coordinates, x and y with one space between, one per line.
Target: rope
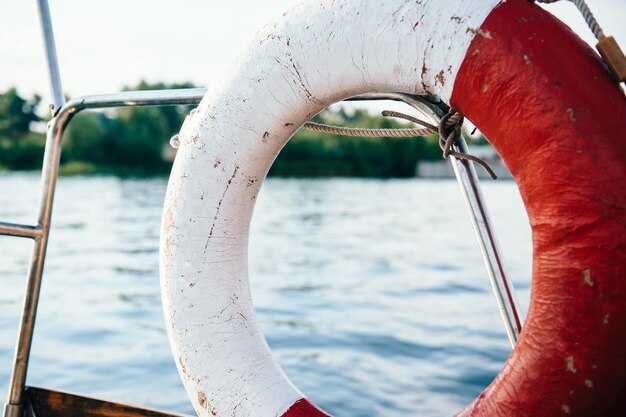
449 130
448 135
587 15
390 113
368 133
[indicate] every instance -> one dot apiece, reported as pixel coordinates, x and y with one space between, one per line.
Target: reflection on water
366 289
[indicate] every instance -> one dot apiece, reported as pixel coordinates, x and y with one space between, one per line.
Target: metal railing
41 231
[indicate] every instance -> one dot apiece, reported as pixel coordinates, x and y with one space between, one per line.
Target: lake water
371 293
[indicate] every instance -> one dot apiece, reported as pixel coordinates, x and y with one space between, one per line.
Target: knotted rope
449 131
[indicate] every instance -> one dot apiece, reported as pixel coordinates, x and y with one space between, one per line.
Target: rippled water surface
372 293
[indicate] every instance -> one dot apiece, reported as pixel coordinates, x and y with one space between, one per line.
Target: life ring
542 96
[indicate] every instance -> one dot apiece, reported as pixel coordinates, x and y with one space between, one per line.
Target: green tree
19 147
90 137
132 140
17 114
126 139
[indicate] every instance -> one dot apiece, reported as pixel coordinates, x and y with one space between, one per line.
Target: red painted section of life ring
304 408
557 118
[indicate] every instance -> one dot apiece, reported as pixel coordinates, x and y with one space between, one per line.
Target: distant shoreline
426 170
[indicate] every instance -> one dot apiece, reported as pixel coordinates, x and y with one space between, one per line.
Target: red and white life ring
541 95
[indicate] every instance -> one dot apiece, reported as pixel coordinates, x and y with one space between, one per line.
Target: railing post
45 20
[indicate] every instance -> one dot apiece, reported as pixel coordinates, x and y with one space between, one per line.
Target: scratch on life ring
542 96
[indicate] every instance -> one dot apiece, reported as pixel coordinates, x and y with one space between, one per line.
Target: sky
105 45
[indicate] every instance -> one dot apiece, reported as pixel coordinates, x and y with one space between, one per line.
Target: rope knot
449 131
449 134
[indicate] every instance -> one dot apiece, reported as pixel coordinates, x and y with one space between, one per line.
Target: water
372 293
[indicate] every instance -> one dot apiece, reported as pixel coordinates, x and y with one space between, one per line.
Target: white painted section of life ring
314 55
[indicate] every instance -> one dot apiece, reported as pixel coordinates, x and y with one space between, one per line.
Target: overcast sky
104 45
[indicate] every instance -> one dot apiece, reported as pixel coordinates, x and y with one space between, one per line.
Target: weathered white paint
314 55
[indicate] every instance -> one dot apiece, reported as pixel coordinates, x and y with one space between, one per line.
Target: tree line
132 140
